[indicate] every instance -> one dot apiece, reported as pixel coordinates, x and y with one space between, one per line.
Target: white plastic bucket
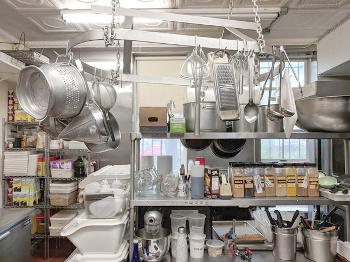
173 245
197 246
196 224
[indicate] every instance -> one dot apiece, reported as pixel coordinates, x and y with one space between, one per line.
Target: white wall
334 49
4 87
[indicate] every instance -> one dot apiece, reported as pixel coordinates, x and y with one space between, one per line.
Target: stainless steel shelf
241 202
38 236
69 150
35 206
247 135
22 123
25 149
9 177
72 206
67 179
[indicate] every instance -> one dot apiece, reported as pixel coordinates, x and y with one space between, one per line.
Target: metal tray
334 196
242 228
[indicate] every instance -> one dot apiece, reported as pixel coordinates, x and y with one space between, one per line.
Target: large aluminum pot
153 247
265 124
56 90
324 114
209 120
320 246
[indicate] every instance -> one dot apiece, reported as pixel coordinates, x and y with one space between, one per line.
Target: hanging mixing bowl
56 90
53 126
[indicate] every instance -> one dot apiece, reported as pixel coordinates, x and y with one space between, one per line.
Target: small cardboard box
153 120
177 125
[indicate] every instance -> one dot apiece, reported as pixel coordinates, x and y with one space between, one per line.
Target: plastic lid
196 216
135 241
233 236
215 243
198 237
177 216
197 162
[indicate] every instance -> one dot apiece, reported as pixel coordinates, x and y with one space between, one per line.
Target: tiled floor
59 254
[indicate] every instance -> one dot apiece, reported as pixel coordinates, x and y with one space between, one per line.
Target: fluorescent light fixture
147 22
86 17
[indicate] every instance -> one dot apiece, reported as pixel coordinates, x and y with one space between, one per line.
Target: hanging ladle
251 110
284 111
272 115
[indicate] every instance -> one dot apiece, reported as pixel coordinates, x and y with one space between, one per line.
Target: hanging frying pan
229 145
221 154
196 144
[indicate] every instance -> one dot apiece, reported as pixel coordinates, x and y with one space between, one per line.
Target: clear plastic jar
259 180
312 175
237 179
270 183
302 184
248 180
281 180
291 174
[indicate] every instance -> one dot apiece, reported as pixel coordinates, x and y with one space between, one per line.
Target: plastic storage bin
62 218
96 235
119 256
63 188
104 205
63 199
62 173
196 224
177 220
55 231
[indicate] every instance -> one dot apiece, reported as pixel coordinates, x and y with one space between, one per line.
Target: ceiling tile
204 4
154 26
264 3
53 23
86 4
31 4
318 3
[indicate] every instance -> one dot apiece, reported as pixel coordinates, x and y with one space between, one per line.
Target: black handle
279 218
272 221
305 223
328 215
295 216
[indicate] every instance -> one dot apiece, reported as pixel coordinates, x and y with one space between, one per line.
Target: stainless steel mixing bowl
324 114
153 248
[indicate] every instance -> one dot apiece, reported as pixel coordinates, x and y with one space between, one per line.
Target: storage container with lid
118 256
63 187
215 248
313 176
302 183
62 218
248 180
270 179
102 236
105 205
259 181
237 180
281 180
63 199
291 174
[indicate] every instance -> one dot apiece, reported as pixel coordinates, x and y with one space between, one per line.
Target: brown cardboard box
153 120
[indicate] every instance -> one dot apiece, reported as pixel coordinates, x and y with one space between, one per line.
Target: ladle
272 115
251 110
284 111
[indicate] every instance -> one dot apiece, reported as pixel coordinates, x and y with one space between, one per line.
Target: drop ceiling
305 22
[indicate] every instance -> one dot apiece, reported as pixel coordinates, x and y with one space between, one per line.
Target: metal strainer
56 90
87 127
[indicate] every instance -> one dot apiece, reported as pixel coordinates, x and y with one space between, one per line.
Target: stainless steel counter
10 217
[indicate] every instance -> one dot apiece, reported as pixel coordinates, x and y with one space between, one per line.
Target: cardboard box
153 120
177 125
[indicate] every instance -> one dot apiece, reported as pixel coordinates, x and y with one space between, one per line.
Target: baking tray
339 196
243 228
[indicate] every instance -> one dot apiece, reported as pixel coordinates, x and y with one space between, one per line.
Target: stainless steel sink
324 114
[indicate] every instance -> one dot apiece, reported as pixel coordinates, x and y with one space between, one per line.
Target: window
158 147
292 150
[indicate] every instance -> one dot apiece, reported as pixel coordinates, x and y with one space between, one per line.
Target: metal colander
87 127
56 90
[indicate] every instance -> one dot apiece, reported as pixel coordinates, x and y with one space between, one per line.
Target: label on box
177 125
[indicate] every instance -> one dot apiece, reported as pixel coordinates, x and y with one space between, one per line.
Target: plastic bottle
135 253
105 188
181 246
116 184
197 181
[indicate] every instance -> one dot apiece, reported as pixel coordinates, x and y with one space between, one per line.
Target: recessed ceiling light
88 18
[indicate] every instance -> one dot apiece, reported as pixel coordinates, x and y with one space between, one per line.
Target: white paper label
304 184
257 183
267 181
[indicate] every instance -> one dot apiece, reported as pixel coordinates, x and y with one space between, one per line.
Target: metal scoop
272 115
251 110
284 111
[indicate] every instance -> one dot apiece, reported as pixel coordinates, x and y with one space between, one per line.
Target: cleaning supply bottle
197 181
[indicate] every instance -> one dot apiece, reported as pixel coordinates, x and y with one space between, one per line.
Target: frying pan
196 144
229 145
221 154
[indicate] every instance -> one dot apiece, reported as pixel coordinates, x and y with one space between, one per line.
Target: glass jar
170 184
147 182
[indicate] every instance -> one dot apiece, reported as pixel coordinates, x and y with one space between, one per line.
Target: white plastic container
196 224
62 218
197 246
63 199
173 244
96 235
62 173
215 248
177 220
119 256
63 188
104 205
55 231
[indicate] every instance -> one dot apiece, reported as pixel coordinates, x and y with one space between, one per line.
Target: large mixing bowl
153 248
324 114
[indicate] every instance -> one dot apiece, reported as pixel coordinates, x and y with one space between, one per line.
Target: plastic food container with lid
62 218
215 248
105 205
196 224
102 236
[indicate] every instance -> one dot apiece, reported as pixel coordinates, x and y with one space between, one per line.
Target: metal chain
260 39
118 46
230 10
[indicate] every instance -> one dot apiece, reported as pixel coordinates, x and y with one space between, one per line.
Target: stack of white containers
60 220
63 193
16 163
196 223
100 239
